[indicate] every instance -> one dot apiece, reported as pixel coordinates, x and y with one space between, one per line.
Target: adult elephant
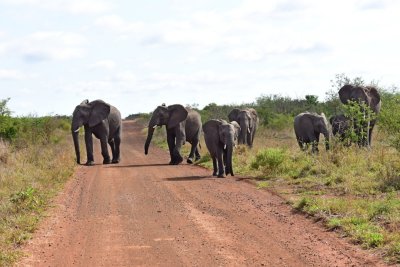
248 121
308 127
368 95
183 124
220 137
104 121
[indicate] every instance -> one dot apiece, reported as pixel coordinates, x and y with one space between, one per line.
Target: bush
268 160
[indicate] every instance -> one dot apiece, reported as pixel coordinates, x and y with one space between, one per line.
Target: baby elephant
307 127
220 137
340 126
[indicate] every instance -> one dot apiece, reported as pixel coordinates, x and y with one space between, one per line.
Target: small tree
360 116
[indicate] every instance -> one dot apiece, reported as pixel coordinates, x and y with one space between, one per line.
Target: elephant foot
221 176
215 174
89 163
189 160
197 158
115 161
106 161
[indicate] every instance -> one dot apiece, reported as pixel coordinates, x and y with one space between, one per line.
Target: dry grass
29 178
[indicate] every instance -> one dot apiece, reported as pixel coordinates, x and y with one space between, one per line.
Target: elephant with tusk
104 121
220 137
183 124
248 121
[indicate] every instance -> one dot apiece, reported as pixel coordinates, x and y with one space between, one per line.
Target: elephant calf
340 126
102 120
220 137
307 127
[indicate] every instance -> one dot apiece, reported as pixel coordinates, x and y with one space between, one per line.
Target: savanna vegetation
353 190
36 158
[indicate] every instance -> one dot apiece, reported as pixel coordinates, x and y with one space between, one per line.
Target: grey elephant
220 137
104 121
183 124
308 127
248 121
340 126
362 94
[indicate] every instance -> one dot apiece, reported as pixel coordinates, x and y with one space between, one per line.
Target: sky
137 55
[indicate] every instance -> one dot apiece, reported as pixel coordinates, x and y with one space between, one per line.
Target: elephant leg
171 146
215 166
89 147
192 151
314 146
220 165
117 157
111 142
176 155
104 151
370 134
197 154
301 145
224 160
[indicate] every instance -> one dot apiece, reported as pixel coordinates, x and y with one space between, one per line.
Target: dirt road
143 212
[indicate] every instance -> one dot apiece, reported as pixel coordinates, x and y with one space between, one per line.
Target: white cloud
70 6
43 46
104 64
117 24
11 74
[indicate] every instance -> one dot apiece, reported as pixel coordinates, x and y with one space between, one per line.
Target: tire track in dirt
143 212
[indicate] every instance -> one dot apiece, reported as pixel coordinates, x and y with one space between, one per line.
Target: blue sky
139 54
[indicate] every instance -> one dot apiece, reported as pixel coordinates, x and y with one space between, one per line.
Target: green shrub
268 160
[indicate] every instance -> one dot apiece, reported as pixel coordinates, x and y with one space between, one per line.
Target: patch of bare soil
143 212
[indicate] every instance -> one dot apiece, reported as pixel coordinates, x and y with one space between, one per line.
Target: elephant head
170 116
247 120
90 114
340 124
321 124
366 94
236 128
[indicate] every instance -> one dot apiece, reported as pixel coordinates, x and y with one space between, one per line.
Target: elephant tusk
248 130
77 130
224 146
155 126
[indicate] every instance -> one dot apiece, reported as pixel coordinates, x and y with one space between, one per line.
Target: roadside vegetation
352 190
36 159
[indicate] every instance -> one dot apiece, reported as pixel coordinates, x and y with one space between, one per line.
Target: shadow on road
187 178
140 165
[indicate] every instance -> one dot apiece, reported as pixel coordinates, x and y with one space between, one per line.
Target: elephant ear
345 93
85 102
212 125
232 116
177 114
374 95
99 111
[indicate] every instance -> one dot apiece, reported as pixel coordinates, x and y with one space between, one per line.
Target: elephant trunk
75 137
229 150
244 128
148 140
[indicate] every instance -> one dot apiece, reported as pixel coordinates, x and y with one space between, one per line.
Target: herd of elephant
184 125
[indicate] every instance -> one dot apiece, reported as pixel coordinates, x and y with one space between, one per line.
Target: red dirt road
143 212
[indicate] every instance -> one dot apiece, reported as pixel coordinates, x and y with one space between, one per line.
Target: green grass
29 178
